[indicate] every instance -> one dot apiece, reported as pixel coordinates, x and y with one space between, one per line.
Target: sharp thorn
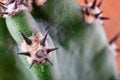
104 18
24 53
47 28
4 13
114 39
87 12
33 62
48 61
86 1
2 3
50 50
44 39
15 4
100 3
94 4
27 40
97 15
12 1
3 6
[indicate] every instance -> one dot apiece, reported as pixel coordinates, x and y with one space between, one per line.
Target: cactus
22 24
84 45
9 65
83 53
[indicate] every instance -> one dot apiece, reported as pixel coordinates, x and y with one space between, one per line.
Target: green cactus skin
6 58
24 22
84 53
9 69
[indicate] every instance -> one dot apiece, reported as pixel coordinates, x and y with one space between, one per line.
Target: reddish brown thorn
40 54
44 39
27 40
47 28
33 62
94 4
118 50
104 18
114 39
15 4
12 1
87 12
24 53
50 50
1 5
97 15
100 3
48 61
4 13
86 1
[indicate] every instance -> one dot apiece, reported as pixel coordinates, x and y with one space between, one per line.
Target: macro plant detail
92 12
36 49
77 31
11 7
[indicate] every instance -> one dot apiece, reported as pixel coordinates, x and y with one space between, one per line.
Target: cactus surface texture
77 30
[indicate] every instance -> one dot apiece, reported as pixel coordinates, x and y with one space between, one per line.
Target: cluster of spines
13 6
10 8
90 11
39 54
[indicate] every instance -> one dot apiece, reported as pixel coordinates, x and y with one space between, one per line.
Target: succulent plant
84 52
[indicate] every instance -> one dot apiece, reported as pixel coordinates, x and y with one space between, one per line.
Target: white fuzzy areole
11 7
36 39
113 48
91 18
